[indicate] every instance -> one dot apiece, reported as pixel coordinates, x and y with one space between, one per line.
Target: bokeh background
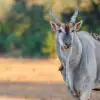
28 60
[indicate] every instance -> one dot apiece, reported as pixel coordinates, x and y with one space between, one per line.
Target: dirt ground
25 79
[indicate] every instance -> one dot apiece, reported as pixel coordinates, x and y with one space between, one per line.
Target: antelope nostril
68 44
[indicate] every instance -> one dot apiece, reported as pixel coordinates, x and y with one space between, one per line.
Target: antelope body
79 56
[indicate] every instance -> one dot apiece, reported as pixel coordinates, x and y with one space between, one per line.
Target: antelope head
65 31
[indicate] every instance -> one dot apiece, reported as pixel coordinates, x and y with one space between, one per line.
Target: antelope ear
78 25
54 26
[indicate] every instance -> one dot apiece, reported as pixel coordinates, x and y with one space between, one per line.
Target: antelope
78 53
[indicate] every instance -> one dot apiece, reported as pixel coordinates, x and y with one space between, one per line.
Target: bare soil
25 79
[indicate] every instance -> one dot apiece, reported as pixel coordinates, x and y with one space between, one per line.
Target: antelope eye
59 31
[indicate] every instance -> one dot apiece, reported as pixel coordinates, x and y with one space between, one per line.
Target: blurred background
25 29
28 65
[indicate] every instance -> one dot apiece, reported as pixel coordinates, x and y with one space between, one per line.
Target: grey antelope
79 55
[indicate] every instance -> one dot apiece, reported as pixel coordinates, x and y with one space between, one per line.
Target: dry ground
24 79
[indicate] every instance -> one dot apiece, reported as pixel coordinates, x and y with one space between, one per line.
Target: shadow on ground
37 91
30 90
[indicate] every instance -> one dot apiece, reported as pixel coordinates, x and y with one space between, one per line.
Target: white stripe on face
61 35
61 39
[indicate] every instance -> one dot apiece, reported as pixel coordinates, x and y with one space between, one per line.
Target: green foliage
32 44
24 30
49 47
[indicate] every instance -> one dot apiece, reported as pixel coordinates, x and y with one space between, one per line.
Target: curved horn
73 18
54 17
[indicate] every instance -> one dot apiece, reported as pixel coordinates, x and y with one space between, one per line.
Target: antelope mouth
65 47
